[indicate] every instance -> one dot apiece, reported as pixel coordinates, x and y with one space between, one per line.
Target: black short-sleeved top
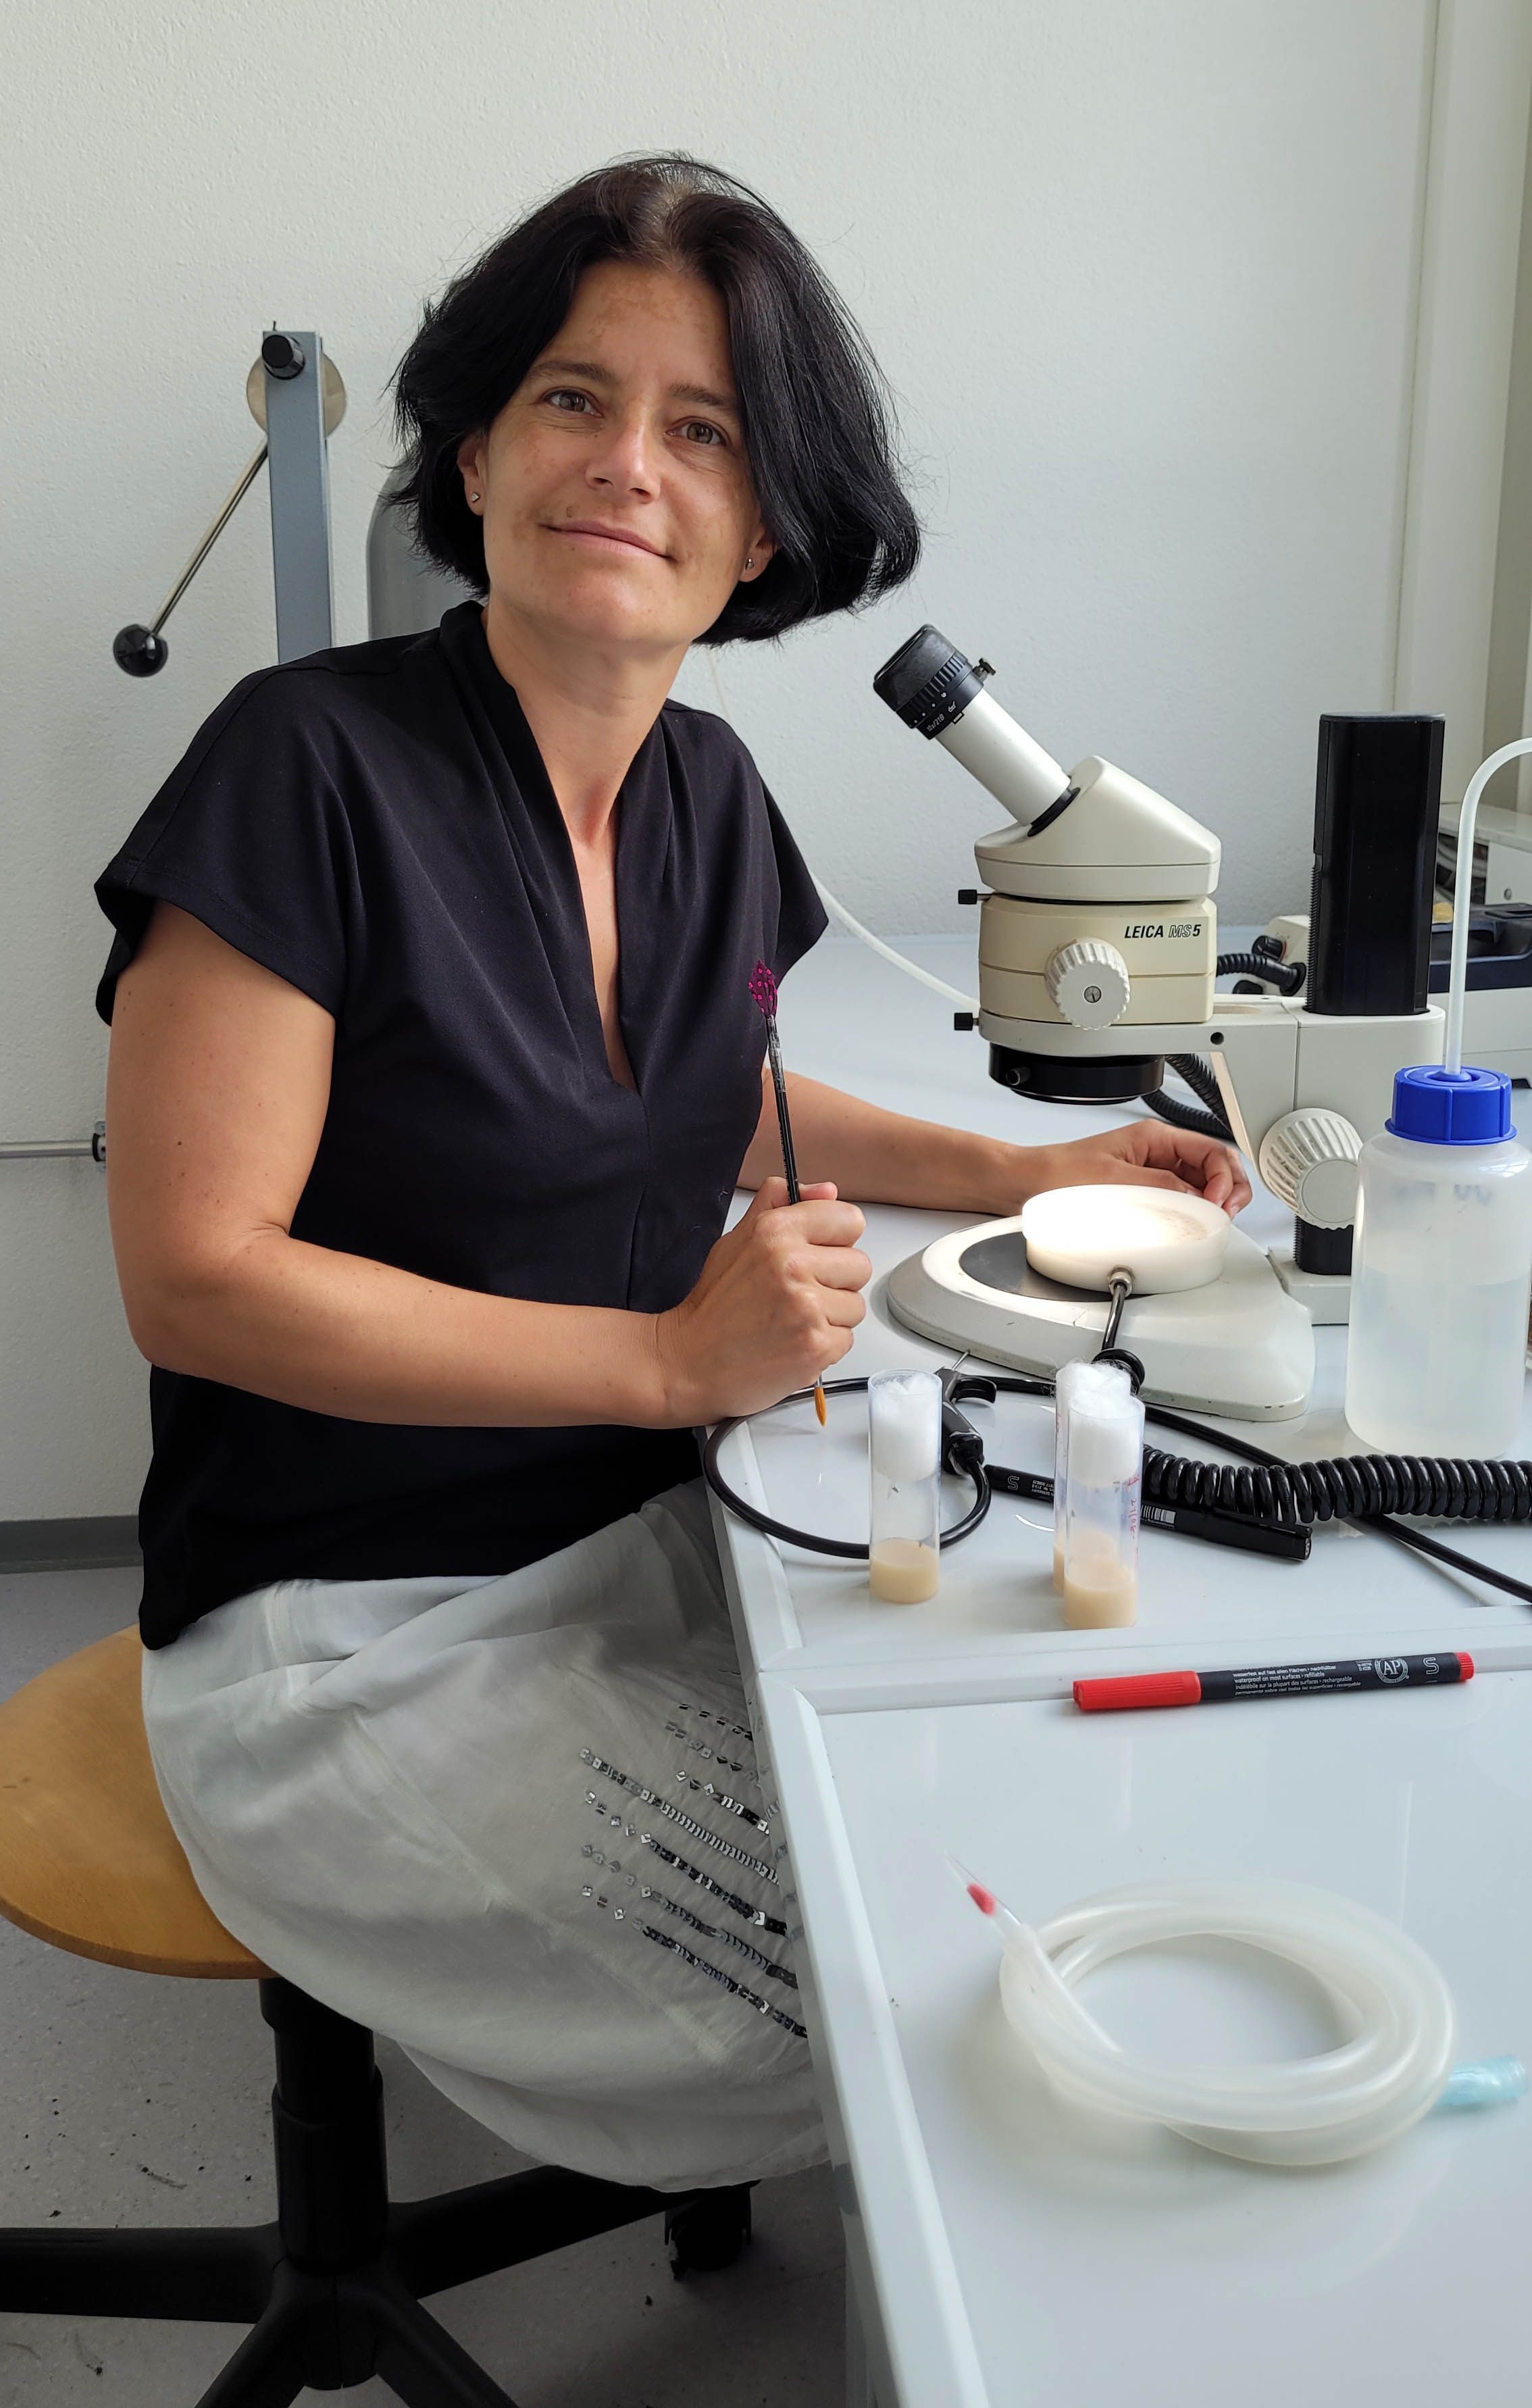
376 826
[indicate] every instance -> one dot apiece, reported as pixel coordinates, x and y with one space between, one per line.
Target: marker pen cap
1139 1689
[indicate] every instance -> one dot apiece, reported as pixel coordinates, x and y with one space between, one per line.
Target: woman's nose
626 459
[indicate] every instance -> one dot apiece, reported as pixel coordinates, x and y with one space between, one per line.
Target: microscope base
1240 1347
1325 1298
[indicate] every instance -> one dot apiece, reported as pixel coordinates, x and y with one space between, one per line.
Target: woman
433 1070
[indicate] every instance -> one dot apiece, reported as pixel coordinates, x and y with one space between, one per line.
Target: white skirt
514 1823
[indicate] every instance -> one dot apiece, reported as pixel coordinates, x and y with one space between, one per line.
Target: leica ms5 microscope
1098 955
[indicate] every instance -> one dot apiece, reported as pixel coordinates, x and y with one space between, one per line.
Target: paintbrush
763 986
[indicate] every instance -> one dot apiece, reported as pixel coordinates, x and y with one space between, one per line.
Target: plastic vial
1105 1443
903 1445
1068 1374
1442 1267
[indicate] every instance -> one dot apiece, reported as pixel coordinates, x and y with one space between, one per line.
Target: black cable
1202 1079
1286 977
1119 1287
1354 1488
957 1451
1198 1076
1188 1116
1343 1488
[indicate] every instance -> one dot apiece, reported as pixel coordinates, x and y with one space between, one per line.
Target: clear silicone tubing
1392 2006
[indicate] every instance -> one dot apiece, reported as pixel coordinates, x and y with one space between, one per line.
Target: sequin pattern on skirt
516 1824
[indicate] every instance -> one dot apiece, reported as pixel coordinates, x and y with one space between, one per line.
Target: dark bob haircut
816 411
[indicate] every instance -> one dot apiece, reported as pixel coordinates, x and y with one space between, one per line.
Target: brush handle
790 1163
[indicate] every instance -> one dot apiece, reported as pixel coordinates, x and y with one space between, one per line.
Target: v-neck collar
643 836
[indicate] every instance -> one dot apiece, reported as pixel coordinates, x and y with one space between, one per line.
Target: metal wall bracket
298 477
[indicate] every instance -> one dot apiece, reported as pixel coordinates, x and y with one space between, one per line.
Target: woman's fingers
776 1304
1217 1170
1218 1183
1203 1163
793 1229
843 1308
837 1266
1116 1173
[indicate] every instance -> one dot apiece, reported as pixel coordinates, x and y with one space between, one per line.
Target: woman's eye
564 398
698 430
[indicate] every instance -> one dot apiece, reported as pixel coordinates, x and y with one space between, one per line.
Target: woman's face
616 495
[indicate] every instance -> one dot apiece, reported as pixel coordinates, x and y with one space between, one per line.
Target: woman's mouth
606 538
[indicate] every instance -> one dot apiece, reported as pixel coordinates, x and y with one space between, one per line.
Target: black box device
1377 800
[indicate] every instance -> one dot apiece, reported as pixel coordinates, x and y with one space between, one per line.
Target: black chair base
332 2289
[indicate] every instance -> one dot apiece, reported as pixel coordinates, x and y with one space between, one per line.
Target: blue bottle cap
1438 1107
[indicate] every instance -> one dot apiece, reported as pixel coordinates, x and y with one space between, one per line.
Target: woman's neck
589 710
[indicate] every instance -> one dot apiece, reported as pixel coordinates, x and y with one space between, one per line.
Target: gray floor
129 2099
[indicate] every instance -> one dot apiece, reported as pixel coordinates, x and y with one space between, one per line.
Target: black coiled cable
1286 977
1345 1487
1370 1489
1200 1077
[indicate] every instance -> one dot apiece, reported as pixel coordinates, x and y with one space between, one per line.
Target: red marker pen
1273 1680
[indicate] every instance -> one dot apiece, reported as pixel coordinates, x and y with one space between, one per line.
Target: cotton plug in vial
1104 1449
903 1447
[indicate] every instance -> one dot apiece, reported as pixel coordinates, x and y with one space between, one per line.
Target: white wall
1144 276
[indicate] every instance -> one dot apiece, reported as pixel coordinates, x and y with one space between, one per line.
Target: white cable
927 977
1394 2011
1463 892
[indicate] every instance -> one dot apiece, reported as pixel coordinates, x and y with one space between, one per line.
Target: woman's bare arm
882 1157
217 1090
219 1079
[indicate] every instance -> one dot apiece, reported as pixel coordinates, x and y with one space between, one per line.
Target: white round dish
1168 1240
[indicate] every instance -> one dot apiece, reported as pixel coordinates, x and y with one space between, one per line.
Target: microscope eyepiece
929 682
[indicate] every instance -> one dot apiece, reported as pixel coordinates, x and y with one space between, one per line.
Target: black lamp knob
139 650
283 357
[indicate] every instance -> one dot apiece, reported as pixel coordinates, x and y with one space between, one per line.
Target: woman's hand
779 1298
1147 1154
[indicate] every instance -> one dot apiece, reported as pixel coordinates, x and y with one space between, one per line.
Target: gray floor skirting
89 1543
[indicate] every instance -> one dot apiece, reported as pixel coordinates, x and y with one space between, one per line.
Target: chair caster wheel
707 2231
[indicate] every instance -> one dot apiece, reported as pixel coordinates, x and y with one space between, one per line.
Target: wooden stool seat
88 1859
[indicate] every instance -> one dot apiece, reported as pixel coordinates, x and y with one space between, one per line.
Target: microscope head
1098 937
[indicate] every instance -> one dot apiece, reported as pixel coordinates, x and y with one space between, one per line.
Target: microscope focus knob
1308 1161
1088 983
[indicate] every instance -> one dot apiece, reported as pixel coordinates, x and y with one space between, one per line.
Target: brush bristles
763 986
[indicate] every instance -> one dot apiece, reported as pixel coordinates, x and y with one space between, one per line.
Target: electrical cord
1202 1079
1188 1116
1363 1485
1360 1488
1285 1497
1198 1076
1286 977
961 1451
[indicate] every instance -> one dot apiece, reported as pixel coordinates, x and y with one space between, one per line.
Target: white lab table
1003 2251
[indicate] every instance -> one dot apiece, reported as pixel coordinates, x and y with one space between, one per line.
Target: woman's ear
472 453
758 556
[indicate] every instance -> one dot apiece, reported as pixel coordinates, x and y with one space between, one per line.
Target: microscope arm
1302 1090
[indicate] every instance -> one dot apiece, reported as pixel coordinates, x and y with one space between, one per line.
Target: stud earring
472 497
749 560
